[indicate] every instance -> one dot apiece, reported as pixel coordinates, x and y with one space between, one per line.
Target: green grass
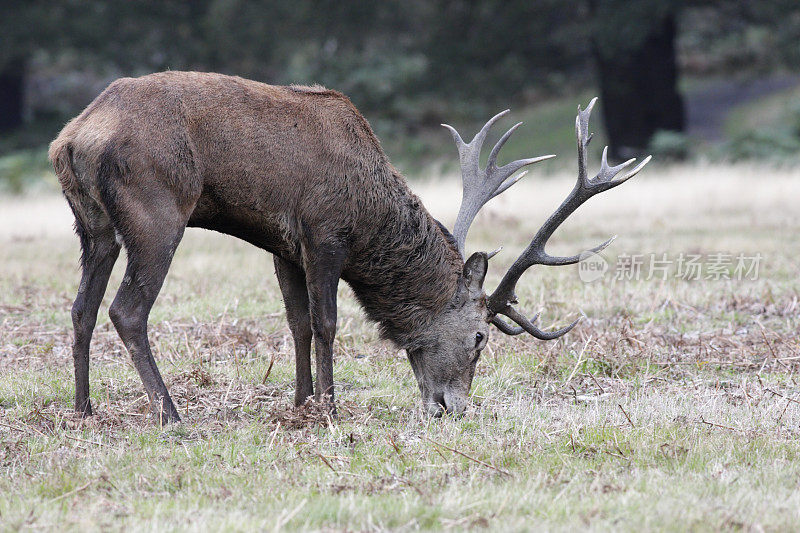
548 128
24 170
778 111
673 406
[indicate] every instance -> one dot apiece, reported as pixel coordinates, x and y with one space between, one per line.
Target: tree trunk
638 88
12 76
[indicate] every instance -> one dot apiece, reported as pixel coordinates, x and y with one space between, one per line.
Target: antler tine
481 135
508 183
481 185
471 150
635 170
530 327
508 329
456 137
493 253
504 297
584 137
505 327
492 161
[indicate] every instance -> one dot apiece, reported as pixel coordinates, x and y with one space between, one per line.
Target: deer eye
478 339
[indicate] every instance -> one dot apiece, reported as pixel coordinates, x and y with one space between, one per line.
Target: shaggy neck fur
407 268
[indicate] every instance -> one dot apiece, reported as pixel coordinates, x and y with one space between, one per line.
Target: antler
503 298
480 186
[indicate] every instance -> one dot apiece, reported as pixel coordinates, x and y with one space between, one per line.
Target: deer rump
298 172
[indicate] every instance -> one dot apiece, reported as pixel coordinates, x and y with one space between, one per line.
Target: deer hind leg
323 266
99 253
150 239
292 281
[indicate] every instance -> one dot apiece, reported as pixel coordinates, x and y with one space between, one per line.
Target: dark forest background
661 67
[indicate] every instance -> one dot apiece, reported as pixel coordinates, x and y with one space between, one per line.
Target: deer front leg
323 266
292 281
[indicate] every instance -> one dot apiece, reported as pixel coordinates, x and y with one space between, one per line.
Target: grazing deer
298 172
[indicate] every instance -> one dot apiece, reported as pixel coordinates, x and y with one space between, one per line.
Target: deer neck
406 270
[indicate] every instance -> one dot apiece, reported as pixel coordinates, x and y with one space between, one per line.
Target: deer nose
434 405
440 403
454 404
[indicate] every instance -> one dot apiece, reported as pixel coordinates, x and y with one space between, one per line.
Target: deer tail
60 155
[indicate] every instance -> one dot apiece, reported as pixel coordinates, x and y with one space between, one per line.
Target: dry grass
674 405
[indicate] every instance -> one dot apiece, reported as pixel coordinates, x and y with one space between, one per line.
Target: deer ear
475 271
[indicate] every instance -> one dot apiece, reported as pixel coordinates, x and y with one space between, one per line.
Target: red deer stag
298 172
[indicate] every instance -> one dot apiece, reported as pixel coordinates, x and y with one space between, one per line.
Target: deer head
444 360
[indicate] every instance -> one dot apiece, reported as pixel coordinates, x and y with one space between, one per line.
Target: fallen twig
70 493
15 428
83 440
602 390
717 425
626 415
785 407
459 452
24 429
394 445
579 361
274 434
771 350
781 395
609 452
269 369
327 463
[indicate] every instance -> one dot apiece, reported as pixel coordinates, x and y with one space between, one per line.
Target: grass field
673 406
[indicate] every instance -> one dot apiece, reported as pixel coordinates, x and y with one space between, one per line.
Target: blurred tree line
410 62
